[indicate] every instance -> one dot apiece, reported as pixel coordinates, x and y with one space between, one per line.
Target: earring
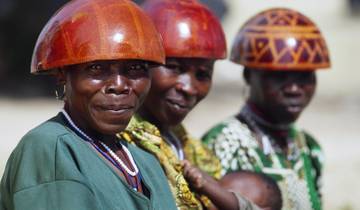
60 96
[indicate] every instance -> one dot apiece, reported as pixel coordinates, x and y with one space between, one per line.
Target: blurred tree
2 62
21 22
354 6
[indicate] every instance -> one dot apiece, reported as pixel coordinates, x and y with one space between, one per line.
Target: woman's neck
279 133
89 132
166 133
263 119
146 115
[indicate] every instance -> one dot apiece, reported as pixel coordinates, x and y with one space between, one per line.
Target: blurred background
333 116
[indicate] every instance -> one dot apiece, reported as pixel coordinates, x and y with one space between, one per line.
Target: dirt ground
336 124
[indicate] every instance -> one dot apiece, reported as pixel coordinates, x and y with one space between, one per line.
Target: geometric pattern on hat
280 39
90 30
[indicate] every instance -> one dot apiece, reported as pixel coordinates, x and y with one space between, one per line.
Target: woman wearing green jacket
100 52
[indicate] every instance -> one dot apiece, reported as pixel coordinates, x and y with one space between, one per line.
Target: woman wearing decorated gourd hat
281 50
193 40
100 52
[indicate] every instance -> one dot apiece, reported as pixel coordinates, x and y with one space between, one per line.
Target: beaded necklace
269 144
110 155
296 152
173 141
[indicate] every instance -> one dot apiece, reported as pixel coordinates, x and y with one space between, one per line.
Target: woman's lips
116 109
294 106
178 107
181 104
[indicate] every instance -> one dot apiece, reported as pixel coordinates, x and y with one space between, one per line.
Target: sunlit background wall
333 116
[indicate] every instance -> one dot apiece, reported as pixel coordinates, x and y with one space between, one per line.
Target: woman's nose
117 84
293 89
187 84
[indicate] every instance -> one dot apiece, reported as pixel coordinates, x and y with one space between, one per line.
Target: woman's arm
208 186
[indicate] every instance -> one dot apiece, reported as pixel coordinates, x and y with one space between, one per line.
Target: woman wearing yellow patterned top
280 49
193 41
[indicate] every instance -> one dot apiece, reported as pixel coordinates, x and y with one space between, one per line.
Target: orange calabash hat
188 28
280 39
88 30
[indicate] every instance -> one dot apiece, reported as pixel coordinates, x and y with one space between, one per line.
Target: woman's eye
95 68
138 70
307 76
203 75
174 68
137 67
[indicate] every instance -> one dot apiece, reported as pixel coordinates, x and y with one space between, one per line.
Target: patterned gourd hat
280 39
188 28
88 30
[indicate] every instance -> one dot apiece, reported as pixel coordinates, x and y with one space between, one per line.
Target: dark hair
247 71
274 198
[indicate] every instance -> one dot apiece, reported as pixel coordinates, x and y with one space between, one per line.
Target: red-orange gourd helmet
280 39
88 30
188 28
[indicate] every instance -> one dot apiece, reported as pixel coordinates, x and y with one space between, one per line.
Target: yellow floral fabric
198 154
148 137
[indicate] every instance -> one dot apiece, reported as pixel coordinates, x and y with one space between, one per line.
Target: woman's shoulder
229 128
234 144
311 142
44 135
215 130
34 160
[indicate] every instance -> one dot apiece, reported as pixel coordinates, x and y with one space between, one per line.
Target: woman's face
177 87
281 95
102 96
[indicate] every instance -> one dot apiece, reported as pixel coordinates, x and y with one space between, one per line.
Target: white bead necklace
175 144
112 153
75 127
122 164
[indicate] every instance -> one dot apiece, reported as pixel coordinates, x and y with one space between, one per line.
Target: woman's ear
60 90
61 77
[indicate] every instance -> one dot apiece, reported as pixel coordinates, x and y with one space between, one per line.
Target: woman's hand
193 175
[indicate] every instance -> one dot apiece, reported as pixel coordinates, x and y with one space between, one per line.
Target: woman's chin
175 120
111 129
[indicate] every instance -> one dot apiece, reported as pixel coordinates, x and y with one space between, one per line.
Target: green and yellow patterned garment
148 137
297 174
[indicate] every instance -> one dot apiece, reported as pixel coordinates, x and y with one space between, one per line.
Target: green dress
54 169
239 148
